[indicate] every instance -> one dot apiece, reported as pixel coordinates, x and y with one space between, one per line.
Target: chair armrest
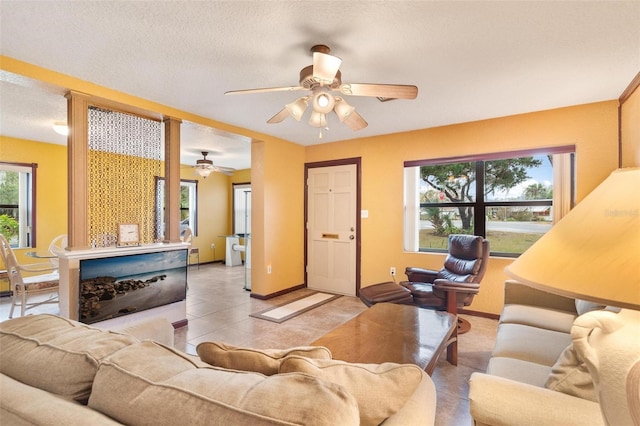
495 400
516 293
37 267
420 275
456 287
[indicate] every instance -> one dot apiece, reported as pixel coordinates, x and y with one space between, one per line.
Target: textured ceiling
470 60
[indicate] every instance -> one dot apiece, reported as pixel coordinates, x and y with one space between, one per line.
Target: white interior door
331 229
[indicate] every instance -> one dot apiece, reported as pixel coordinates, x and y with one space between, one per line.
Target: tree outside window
17 191
508 200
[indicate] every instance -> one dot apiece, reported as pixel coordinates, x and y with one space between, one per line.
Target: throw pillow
570 375
380 389
265 361
151 384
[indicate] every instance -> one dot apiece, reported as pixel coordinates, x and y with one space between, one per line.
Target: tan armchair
23 287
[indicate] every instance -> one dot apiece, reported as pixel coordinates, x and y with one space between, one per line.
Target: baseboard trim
479 314
277 293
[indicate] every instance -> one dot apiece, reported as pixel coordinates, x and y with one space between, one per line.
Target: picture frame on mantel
128 234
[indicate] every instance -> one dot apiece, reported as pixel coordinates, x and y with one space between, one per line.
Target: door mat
294 308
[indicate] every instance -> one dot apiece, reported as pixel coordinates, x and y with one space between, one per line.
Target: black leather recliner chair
453 286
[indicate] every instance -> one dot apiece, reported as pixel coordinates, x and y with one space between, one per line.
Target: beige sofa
55 371
533 377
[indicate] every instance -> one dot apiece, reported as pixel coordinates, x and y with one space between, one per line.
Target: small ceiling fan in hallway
323 78
204 167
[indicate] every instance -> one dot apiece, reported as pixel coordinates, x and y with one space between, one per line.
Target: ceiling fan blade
284 113
325 67
266 89
355 121
394 91
224 170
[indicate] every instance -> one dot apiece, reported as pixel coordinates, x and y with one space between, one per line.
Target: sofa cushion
149 383
548 319
27 405
56 354
265 361
519 370
158 329
571 376
531 344
380 389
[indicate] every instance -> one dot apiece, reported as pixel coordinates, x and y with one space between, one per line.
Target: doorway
332 218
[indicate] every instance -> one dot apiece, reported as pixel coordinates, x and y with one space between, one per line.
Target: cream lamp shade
343 109
593 253
297 108
318 119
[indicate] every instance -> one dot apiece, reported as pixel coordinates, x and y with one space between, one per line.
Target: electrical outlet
268 269
213 246
392 271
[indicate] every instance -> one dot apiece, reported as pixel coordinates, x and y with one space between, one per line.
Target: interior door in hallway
331 229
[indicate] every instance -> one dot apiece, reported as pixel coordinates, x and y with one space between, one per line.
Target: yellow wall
592 128
213 213
51 197
277 201
630 130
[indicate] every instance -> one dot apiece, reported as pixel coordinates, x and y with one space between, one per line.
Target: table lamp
593 254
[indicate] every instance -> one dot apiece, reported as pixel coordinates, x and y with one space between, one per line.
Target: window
188 206
242 209
509 198
17 203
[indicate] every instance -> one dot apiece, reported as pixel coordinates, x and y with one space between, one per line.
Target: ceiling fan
205 167
322 78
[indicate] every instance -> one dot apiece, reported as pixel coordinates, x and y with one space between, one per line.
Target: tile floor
218 309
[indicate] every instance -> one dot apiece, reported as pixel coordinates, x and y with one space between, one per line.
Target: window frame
480 205
238 211
192 214
27 235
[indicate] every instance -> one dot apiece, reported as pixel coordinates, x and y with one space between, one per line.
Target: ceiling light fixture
321 78
61 128
298 107
203 166
323 102
343 109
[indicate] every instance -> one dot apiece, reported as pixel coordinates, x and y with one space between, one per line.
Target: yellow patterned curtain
124 158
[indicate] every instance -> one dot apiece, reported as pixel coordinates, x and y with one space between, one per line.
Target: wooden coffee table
389 332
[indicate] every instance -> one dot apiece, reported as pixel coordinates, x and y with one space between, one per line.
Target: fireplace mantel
69 262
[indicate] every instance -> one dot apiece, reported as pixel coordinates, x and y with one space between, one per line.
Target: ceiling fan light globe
325 67
204 171
297 108
343 109
323 102
318 119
